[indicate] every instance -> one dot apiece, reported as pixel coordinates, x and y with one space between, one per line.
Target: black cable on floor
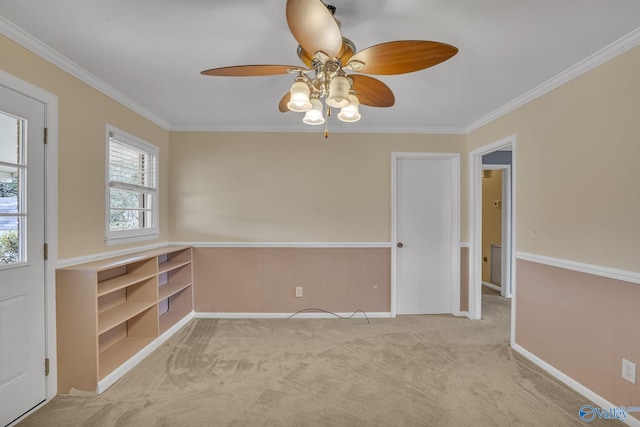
316 310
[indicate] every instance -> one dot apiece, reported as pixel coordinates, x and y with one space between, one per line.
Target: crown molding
15 33
26 40
318 129
614 49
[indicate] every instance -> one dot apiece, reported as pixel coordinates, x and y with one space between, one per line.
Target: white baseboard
575 385
492 286
114 376
312 315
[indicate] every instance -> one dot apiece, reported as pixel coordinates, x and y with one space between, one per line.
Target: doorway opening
497 156
496 222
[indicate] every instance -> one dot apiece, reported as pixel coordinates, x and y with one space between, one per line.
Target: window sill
121 240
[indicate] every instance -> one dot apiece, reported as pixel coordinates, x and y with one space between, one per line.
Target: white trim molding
571 383
614 49
475 225
581 267
66 262
31 43
15 33
431 130
286 244
104 255
465 244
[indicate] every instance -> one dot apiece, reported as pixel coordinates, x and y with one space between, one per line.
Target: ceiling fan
332 64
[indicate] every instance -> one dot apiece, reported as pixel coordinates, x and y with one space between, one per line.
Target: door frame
505 224
475 226
455 235
51 219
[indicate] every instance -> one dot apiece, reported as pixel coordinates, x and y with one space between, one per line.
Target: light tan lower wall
263 280
288 187
581 324
83 114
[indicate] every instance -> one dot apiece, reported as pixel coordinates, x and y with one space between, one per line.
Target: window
13 171
132 188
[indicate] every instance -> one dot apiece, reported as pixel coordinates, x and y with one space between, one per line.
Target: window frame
117 237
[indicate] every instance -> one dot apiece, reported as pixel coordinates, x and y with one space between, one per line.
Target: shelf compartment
120 343
178 305
112 279
171 265
121 305
173 260
119 353
117 283
173 281
165 291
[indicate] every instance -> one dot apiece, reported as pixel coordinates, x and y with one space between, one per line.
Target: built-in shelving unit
108 311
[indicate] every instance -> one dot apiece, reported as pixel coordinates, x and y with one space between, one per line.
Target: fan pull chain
326 123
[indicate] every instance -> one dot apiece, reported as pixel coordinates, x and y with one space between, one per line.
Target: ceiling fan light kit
315 116
350 113
329 57
299 96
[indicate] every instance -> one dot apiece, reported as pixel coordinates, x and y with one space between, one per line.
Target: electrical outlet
629 371
298 291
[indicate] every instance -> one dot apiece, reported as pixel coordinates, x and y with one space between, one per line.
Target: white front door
425 233
22 307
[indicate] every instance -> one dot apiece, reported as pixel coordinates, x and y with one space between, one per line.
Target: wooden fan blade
404 56
372 92
282 106
313 26
250 70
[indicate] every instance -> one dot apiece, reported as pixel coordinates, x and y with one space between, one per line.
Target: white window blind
131 168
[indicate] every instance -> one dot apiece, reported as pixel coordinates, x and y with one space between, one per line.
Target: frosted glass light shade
350 113
338 92
299 101
314 116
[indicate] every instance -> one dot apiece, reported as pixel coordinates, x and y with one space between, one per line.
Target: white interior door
22 306
425 235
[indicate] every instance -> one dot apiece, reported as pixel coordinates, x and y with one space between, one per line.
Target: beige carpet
409 371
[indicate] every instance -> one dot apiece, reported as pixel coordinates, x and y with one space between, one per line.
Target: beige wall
576 181
576 159
287 187
491 219
83 114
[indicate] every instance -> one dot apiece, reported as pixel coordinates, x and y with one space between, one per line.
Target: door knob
400 244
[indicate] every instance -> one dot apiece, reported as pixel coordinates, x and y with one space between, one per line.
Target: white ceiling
153 51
